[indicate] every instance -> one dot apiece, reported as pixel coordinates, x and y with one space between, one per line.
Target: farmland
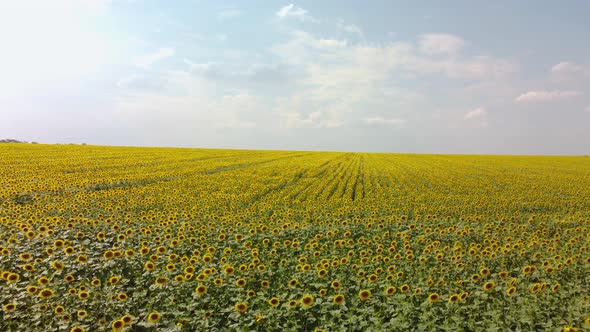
151 239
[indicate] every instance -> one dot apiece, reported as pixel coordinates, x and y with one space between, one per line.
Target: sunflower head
510 291
241 307
10 307
338 299
117 325
46 293
274 302
154 317
306 301
365 294
489 286
434 297
201 289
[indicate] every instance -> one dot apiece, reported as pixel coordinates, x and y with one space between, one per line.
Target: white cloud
384 121
313 120
147 60
477 67
229 12
546 96
474 114
349 28
292 11
340 78
440 43
192 101
566 67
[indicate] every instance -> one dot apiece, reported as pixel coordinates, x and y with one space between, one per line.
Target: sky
469 77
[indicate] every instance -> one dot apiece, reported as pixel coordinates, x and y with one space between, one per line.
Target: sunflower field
163 239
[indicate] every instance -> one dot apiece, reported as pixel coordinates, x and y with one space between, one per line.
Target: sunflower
83 295
489 286
338 299
81 314
454 298
484 272
510 291
555 287
114 280
323 292
69 250
265 284
161 281
108 255
201 289
59 309
464 296
43 281
82 259
77 328
390 291
306 301
46 293
154 317
149 266
241 307
32 290
293 282
404 288
127 319
274 302
335 284
95 282
241 282
118 325
364 294
10 307
122 297
434 297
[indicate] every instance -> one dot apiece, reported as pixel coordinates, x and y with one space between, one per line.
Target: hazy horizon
384 76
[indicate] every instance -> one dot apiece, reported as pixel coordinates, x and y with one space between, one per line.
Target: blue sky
501 77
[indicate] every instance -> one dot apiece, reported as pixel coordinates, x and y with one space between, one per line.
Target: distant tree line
10 140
